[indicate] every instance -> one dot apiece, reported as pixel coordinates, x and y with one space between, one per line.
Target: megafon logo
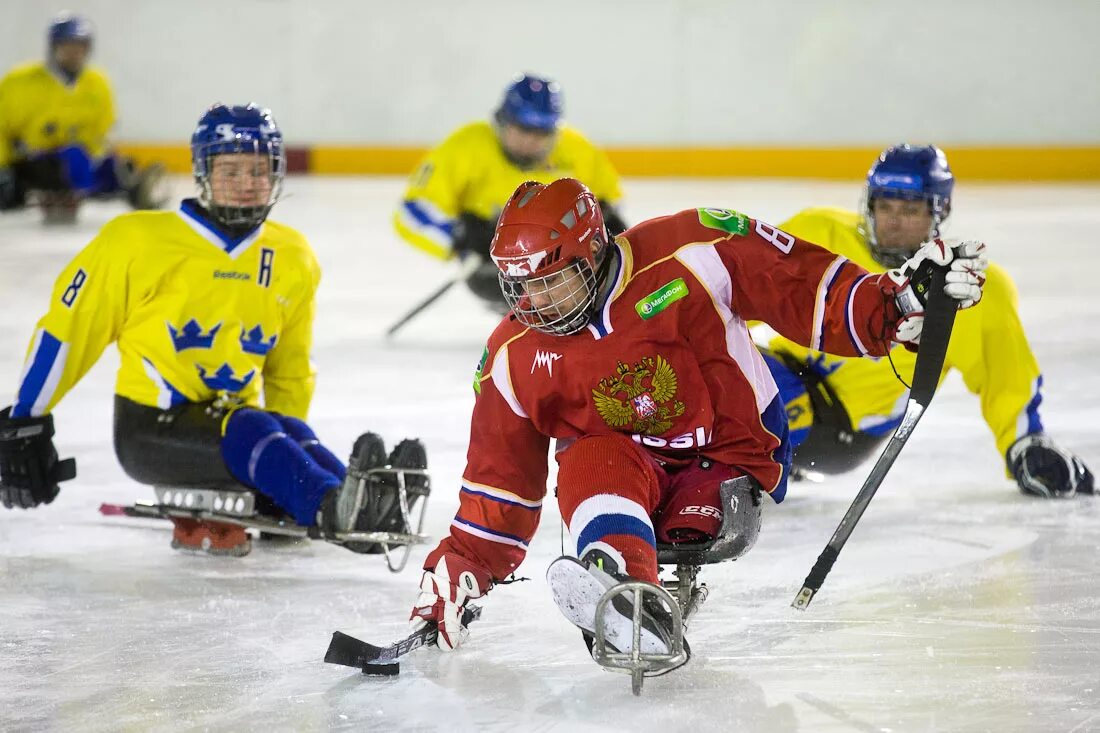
660 299
545 359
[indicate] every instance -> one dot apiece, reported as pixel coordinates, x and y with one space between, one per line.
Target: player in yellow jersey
841 409
457 192
54 119
211 307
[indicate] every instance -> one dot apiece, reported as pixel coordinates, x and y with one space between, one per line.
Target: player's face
526 145
900 223
556 296
240 180
561 294
70 56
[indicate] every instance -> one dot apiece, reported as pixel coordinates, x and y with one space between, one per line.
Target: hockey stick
466 268
939 318
351 652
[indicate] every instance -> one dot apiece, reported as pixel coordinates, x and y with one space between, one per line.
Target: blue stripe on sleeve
1034 423
424 218
31 387
493 532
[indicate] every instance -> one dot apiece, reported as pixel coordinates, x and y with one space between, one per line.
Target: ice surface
958 604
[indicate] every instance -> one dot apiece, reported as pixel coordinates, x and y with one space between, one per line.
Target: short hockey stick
467 268
351 652
939 319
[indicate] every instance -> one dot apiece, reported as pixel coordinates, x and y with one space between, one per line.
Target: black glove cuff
15 429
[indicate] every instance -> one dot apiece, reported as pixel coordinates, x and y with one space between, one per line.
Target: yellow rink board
1055 163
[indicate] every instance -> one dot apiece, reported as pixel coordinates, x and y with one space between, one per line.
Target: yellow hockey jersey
40 112
468 173
195 314
987 346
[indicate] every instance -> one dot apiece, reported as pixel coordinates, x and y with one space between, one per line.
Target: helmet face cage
892 256
908 173
558 303
269 154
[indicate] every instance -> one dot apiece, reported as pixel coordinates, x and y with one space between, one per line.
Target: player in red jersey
633 355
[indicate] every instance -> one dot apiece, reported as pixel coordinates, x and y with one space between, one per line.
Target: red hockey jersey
667 359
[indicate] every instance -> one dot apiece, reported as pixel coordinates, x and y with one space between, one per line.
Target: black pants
180 446
832 448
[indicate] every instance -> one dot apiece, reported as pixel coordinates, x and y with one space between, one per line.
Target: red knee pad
606 464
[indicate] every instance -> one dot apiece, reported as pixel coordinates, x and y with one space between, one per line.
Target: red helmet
548 242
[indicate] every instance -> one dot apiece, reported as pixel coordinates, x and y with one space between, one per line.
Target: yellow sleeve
811 227
87 310
990 349
7 120
432 201
289 374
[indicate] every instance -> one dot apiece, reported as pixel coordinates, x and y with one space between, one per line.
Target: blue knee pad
298 430
259 452
86 176
796 399
78 168
105 177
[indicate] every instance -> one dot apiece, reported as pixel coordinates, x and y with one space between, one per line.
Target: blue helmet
912 173
225 129
531 101
69 27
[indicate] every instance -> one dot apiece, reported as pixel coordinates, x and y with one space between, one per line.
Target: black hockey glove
11 194
472 235
29 469
614 221
1043 469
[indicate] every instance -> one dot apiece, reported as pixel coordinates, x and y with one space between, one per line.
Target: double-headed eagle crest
643 395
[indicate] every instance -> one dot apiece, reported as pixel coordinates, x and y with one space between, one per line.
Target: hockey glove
966 263
473 235
612 219
29 469
11 194
444 593
1043 469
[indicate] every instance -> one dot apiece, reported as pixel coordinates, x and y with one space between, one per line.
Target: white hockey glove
1043 469
444 593
966 262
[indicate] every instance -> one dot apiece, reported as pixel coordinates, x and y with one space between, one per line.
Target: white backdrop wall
635 72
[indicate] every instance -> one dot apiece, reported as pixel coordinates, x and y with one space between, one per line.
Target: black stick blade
348 651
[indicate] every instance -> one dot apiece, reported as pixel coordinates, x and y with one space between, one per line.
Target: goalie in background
456 193
54 119
841 409
211 306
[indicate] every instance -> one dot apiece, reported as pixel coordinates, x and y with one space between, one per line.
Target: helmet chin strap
607 256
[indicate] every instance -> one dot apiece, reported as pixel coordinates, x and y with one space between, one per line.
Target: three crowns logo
191 336
253 341
225 380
